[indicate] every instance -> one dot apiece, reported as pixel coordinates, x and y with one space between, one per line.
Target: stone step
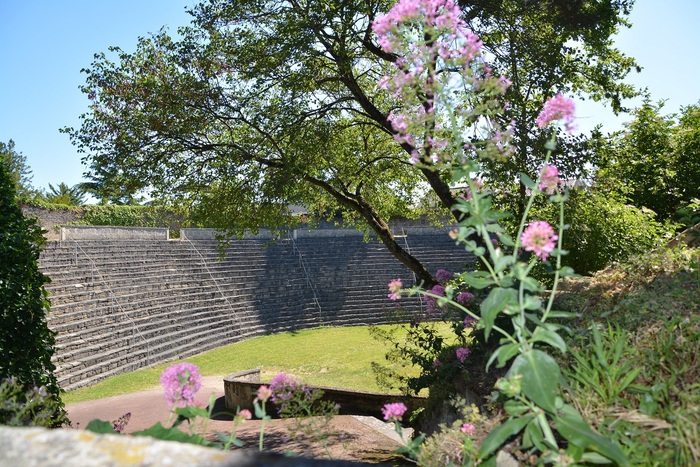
122 305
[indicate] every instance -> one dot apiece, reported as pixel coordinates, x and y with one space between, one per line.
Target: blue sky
45 43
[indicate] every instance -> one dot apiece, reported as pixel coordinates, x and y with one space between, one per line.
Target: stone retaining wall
240 389
90 232
119 305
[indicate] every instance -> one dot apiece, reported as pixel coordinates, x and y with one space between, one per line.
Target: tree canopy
264 104
64 194
655 160
20 172
547 47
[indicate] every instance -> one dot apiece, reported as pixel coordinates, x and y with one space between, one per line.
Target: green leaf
572 427
501 433
563 314
509 351
540 381
478 279
502 263
527 181
495 228
497 300
550 337
594 458
506 239
191 412
567 271
515 408
532 302
533 436
100 427
503 353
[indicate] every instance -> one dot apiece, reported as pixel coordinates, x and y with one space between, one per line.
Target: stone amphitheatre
128 298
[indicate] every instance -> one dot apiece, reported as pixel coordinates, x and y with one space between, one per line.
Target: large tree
547 47
259 105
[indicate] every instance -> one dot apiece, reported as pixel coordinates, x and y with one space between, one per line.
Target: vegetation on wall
120 215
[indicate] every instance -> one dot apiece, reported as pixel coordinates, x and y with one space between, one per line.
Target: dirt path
352 438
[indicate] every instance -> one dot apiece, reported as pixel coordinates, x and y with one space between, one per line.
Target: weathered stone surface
119 305
241 388
89 232
39 447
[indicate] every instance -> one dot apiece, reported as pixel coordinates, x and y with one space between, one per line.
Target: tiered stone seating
119 305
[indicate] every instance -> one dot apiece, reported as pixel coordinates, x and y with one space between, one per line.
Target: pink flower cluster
442 62
558 108
550 181
463 353
468 429
264 393
283 387
394 411
431 302
539 238
464 297
181 382
395 289
439 16
443 275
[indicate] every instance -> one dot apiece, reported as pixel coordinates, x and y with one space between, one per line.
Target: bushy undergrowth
26 342
635 366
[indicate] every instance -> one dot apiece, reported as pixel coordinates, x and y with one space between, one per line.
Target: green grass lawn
329 356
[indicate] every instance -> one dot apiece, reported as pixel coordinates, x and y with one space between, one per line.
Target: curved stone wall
119 304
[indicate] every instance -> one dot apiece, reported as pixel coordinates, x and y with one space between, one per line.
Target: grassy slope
650 308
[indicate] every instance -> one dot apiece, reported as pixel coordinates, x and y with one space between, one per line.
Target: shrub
603 229
21 406
26 343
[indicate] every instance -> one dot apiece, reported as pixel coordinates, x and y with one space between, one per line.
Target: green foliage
131 216
638 377
20 172
123 215
22 406
603 365
689 215
654 161
643 394
26 343
63 194
545 47
450 445
603 229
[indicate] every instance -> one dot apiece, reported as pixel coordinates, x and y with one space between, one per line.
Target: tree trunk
380 227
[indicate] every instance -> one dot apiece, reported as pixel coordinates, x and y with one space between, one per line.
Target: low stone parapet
40 447
89 232
240 389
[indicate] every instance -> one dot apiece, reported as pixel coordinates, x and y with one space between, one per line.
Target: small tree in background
26 343
64 194
20 173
